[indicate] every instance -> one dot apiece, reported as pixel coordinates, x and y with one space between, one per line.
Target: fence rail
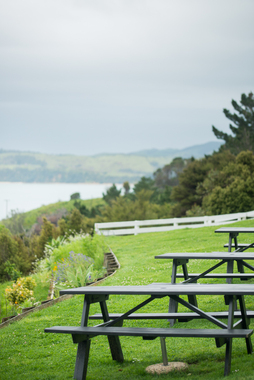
158 225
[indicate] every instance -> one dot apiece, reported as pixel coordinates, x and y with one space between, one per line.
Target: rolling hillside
16 166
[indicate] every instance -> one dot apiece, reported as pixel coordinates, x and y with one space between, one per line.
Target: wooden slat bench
84 333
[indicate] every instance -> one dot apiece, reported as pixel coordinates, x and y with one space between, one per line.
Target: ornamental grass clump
77 270
21 291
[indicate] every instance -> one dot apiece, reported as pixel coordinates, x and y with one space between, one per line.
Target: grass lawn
26 352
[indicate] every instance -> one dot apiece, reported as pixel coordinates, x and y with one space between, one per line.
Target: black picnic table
182 259
112 325
233 234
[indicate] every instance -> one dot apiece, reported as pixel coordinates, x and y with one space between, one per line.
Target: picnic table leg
192 299
114 341
83 347
245 322
164 351
240 266
229 340
82 360
230 269
229 242
173 305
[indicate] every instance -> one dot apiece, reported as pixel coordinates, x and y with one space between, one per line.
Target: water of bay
24 197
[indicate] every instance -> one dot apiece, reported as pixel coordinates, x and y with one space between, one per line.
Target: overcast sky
92 76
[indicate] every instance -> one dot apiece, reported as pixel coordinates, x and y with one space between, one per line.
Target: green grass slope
26 352
31 216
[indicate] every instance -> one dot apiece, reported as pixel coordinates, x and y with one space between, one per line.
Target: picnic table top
235 229
161 289
208 255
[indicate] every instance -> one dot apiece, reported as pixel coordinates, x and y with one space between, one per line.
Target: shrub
20 291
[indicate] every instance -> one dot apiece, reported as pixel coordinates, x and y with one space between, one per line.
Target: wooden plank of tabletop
208 255
236 230
165 289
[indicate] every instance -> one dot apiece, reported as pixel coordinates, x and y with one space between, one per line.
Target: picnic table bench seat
147 332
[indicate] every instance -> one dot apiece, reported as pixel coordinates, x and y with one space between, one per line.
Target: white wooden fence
143 226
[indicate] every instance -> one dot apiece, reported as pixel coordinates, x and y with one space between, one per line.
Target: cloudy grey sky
93 76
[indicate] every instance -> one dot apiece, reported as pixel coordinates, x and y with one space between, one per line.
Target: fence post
175 222
206 221
96 229
136 227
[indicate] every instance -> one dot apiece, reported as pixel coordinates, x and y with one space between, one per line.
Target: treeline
222 182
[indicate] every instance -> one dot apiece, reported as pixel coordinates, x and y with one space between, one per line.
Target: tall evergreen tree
242 129
111 194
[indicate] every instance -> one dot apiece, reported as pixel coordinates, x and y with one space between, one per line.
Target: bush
20 291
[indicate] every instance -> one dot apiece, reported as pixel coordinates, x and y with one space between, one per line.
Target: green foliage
193 181
242 127
93 247
168 175
126 187
75 220
164 180
84 210
15 223
124 209
32 216
75 196
77 270
44 238
111 194
10 271
145 183
20 291
232 189
14 256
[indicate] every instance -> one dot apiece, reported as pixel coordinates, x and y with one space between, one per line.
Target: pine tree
242 129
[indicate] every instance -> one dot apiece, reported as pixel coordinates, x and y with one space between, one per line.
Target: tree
75 221
111 194
8 250
126 187
46 236
193 184
145 183
75 196
242 127
123 208
231 189
169 174
15 223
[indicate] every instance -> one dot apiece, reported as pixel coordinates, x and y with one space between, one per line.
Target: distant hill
38 167
196 151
